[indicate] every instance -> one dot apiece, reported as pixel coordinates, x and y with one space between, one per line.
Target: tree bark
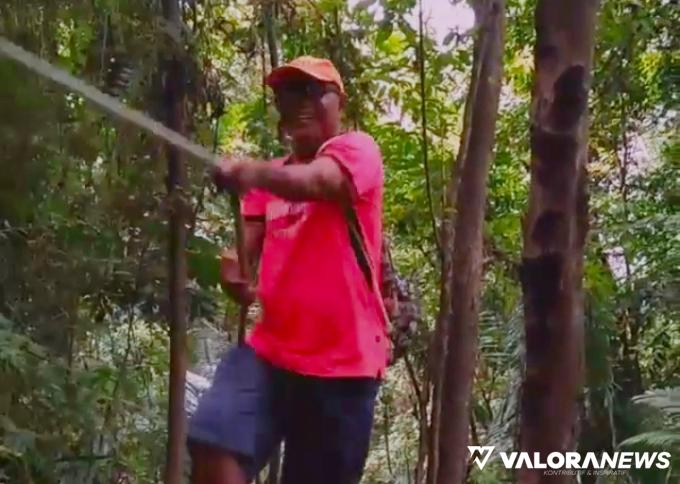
270 28
269 19
554 231
174 103
438 343
420 414
466 262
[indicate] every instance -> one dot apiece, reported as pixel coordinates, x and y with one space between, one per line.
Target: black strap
358 245
357 241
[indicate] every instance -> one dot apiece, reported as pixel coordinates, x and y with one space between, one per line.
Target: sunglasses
304 89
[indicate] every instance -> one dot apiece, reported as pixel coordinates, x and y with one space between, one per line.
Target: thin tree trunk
629 368
174 104
438 343
420 413
386 437
554 231
596 433
465 276
269 19
269 22
423 128
270 31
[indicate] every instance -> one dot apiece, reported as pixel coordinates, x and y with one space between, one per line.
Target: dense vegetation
84 346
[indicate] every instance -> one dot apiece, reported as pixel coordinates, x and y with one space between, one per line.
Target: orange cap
321 69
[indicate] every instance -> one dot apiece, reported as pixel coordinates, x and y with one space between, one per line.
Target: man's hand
233 283
236 175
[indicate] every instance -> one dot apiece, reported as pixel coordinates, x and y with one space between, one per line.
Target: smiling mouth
299 122
298 115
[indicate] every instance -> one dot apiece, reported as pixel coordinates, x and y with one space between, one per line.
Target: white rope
110 105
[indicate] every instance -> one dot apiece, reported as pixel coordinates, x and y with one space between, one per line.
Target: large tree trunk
554 231
174 101
465 276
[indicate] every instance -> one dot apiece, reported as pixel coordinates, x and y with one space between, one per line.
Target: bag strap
358 243
357 240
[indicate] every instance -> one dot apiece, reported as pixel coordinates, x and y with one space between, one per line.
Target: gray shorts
252 406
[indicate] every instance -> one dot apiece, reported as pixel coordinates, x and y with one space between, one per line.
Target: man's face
310 111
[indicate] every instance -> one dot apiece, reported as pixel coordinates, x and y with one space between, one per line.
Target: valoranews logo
573 460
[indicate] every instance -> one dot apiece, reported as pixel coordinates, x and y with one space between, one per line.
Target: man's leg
214 466
328 429
234 431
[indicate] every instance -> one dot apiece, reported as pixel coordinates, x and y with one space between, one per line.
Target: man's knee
211 465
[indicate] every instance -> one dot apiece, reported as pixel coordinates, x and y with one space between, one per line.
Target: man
310 370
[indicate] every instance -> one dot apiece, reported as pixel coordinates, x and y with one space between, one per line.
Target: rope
110 105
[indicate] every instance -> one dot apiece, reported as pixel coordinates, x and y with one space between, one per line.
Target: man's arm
320 179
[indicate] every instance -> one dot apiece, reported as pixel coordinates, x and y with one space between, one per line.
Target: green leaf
203 261
384 33
659 439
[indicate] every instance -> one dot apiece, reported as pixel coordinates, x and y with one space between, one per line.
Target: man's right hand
237 288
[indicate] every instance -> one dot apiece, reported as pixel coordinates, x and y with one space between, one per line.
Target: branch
84 457
475 441
423 116
387 439
416 387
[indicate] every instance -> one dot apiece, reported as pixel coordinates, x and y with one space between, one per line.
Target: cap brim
280 74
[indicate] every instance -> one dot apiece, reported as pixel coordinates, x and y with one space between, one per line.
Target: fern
660 439
666 400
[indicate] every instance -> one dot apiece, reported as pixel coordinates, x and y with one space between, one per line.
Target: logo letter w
480 454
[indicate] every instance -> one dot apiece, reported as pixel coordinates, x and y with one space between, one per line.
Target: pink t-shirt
319 315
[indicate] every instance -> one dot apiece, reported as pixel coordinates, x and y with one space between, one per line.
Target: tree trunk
423 127
439 338
270 28
438 343
269 19
174 100
466 268
554 231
